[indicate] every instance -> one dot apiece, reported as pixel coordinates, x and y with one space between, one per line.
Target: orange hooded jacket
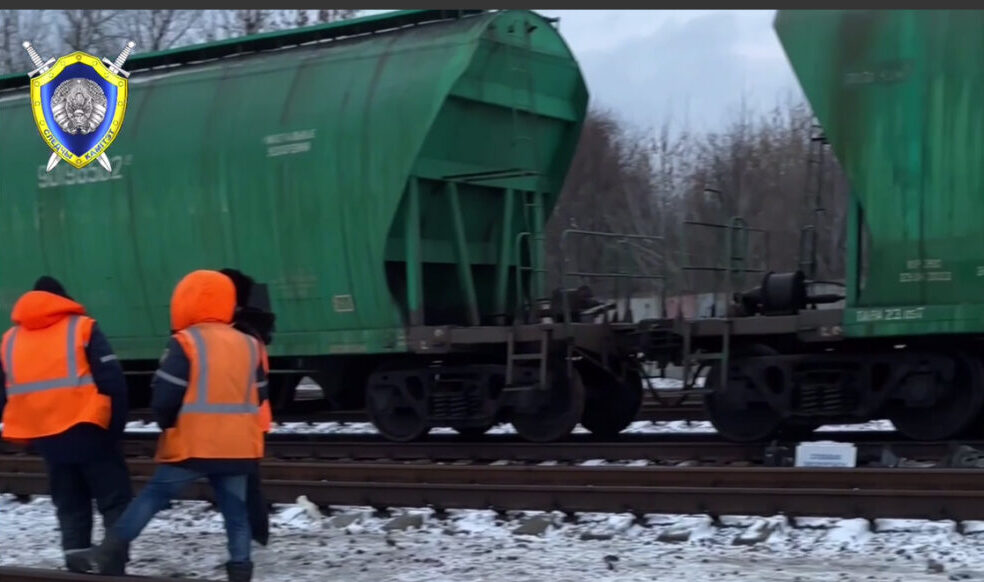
49 385
220 415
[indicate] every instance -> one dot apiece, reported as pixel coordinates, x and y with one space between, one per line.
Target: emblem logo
78 103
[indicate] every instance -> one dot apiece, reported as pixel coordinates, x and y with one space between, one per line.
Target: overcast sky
689 66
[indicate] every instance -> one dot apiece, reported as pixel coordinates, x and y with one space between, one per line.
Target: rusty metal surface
709 452
702 447
17 574
870 493
913 479
819 324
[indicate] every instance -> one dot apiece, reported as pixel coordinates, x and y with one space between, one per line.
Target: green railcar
898 95
388 178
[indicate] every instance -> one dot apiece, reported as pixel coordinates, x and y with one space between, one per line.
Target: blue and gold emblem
79 103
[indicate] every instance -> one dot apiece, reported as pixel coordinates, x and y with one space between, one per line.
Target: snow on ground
637 427
478 546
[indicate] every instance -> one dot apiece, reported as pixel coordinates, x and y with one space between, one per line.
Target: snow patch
478 546
594 463
849 533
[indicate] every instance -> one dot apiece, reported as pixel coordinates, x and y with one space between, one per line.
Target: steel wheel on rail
612 404
396 401
732 414
957 406
559 409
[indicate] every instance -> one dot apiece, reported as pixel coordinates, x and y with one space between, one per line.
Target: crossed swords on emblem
42 66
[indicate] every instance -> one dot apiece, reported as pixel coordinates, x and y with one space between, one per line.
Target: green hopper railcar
387 178
898 95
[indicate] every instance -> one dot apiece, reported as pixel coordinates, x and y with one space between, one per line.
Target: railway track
16 574
666 448
709 451
870 493
651 411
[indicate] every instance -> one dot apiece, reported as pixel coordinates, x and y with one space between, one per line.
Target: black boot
69 563
239 571
109 557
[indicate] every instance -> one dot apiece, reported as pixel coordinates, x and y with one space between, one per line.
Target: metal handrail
623 240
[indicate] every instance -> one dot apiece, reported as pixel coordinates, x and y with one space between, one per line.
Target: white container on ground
826 454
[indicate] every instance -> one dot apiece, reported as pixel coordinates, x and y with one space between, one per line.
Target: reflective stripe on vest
202 405
71 381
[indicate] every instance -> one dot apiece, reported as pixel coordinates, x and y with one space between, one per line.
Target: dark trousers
73 488
168 482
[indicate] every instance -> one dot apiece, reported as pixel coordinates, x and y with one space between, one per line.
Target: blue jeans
167 483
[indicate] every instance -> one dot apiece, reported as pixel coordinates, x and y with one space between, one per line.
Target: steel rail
651 411
870 493
667 448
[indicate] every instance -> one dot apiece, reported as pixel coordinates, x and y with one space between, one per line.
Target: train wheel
396 401
611 405
732 414
958 404
559 411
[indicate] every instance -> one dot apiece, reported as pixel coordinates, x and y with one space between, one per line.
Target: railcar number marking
925 270
890 314
65 175
343 303
285 144
891 72
938 276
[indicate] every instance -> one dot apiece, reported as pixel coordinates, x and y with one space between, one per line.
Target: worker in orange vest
253 316
207 393
64 394
257 322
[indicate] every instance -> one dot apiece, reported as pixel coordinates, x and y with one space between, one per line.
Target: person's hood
40 309
202 296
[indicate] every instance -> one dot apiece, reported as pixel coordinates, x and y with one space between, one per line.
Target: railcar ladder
722 357
736 266
813 191
541 356
526 160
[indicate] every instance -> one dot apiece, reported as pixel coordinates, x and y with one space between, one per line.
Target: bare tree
89 30
245 22
609 188
299 18
757 169
157 30
294 18
16 26
9 25
335 15
103 31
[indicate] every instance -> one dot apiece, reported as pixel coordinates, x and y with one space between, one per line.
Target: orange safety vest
219 418
48 381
